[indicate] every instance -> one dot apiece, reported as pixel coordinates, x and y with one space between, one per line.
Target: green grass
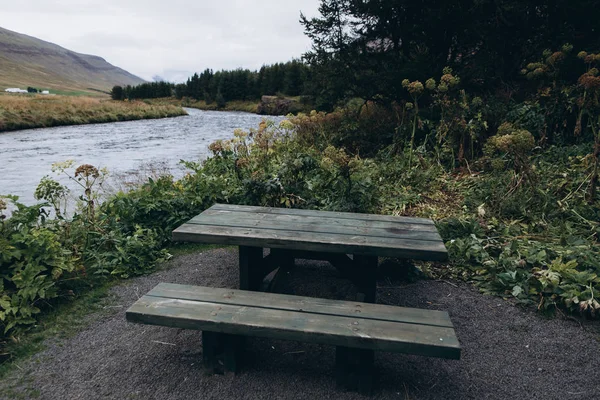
180 249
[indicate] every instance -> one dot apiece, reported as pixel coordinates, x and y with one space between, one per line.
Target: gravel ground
508 352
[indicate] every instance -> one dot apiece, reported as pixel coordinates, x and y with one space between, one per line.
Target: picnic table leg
365 273
250 267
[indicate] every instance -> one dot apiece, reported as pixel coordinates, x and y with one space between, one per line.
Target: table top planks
310 230
375 327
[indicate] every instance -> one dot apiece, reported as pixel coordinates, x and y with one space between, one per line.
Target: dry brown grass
37 111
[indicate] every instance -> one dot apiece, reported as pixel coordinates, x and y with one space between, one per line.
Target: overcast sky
169 38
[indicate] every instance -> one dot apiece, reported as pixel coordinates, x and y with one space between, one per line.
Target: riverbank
268 105
42 111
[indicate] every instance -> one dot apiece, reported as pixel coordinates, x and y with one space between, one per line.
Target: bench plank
362 333
321 214
303 304
309 241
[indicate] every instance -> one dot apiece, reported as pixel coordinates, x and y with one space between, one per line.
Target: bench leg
234 348
250 267
365 271
222 347
210 351
354 369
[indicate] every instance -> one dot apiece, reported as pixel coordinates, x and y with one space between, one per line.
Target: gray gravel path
508 353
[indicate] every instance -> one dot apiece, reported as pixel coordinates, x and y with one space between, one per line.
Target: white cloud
170 38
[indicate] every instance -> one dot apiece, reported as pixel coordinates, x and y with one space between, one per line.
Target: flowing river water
124 148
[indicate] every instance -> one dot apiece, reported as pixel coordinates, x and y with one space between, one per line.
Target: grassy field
39 111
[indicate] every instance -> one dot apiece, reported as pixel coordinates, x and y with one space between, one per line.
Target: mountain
28 61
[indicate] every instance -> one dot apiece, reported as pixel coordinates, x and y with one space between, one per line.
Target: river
124 148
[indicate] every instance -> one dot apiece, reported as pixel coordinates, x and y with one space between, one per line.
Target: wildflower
447 71
430 84
409 106
286 124
61 166
3 205
567 47
582 54
405 83
240 133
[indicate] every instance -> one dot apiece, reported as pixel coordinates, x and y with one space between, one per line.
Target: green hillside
28 61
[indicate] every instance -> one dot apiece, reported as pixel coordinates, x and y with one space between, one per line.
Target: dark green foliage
152 90
117 93
32 90
365 48
242 84
32 261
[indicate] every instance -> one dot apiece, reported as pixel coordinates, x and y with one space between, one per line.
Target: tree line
292 78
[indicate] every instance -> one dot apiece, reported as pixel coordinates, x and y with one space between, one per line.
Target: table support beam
250 267
365 277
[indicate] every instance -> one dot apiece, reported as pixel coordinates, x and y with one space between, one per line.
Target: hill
28 61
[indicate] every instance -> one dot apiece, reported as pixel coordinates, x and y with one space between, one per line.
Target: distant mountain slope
28 61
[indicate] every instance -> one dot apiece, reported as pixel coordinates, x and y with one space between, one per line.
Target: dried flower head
567 47
242 162
405 83
589 81
409 106
415 88
86 171
450 80
556 57
582 54
3 205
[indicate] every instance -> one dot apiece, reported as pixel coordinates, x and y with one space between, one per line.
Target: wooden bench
226 316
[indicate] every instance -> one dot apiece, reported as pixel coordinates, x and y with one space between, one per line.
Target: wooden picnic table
351 242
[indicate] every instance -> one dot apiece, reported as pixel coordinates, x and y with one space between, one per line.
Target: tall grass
38 111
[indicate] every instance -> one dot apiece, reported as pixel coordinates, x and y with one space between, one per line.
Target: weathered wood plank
383 247
326 226
302 304
315 213
290 325
235 215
